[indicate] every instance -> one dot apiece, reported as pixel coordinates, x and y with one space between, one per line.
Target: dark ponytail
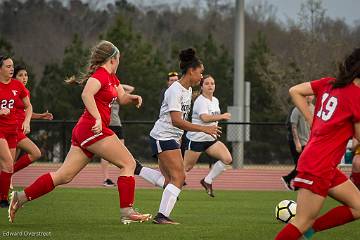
188 59
348 70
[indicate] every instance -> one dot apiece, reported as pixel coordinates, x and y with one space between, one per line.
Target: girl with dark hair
206 111
92 135
11 93
168 129
23 142
336 119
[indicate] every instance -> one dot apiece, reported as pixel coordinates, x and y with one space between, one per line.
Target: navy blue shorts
158 146
198 146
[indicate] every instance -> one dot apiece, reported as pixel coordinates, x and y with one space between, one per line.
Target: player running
168 129
92 135
206 112
336 120
24 143
11 93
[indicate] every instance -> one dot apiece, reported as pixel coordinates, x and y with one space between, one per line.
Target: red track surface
255 178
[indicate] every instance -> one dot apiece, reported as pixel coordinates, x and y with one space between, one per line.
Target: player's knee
188 168
129 165
35 155
6 165
356 210
227 160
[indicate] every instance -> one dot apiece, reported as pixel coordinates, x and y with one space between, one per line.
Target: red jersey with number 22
336 111
10 95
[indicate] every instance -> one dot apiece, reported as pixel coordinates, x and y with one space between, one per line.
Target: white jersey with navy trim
176 99
203 105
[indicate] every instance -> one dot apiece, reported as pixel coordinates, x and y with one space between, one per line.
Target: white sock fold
168 200
152 176
215 171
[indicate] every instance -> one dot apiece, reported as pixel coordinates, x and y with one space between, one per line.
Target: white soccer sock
168 200
152 176
215 171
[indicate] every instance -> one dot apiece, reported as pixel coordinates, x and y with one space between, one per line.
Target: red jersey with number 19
336 111
10 95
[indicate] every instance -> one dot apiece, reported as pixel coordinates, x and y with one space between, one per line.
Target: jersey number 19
328 106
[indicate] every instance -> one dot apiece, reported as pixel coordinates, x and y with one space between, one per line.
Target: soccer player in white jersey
206 111
168 129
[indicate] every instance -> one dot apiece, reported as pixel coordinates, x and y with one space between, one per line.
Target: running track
249 178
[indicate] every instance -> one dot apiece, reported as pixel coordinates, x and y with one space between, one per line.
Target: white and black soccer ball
285 210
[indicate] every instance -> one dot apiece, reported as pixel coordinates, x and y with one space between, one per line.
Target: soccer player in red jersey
92 135
336 120
24 143
11 92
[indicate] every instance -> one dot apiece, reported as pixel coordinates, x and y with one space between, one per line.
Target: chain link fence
267 142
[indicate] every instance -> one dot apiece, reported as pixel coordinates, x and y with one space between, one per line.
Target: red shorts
319 185
11 139
82 136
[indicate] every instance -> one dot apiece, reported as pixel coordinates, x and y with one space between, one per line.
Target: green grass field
94 214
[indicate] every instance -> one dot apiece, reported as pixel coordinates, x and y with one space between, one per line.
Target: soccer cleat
138 168
208 187
162 219
287 183
14 205
134 216
109 183
4 204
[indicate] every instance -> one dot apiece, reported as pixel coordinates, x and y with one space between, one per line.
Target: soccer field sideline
248 178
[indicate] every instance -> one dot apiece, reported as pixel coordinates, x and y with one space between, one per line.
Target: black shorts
198 146
158 146
118 130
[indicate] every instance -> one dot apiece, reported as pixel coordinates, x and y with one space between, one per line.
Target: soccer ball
285 210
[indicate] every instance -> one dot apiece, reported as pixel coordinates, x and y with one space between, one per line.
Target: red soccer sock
22 162
5 179
333 218
289 232
41 186
126 188
355 178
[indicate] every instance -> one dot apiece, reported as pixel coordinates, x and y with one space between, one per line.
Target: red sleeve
318 85
23 92
100 76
